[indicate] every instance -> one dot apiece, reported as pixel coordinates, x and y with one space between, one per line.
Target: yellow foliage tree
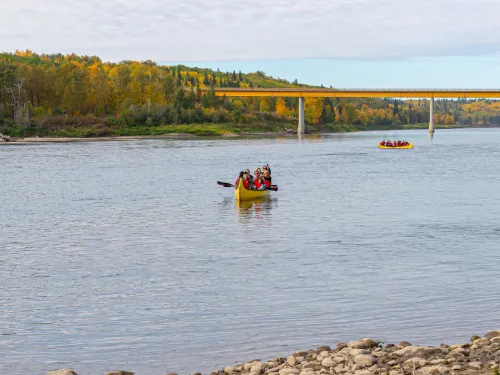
313 109
264 106
281 108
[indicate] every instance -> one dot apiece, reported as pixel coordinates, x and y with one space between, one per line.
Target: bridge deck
359 93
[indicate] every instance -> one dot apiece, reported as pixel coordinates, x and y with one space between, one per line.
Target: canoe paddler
266 168
267 178
238 179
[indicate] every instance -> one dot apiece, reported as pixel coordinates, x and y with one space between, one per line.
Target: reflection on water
255 209
309 137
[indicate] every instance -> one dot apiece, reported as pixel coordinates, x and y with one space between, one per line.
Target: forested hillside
82 95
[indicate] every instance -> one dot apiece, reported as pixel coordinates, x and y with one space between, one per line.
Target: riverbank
193 132
481 356
184 136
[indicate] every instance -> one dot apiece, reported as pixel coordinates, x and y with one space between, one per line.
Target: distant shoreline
187 136
180 136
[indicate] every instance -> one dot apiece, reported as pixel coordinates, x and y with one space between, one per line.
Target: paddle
227 184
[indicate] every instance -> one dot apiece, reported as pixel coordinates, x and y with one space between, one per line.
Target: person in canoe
258 183
266 168
250 177
238 179
246 182
383 143
267 178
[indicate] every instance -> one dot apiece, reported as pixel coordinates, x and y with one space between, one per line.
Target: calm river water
128 255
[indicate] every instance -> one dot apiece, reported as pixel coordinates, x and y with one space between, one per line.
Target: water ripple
128 255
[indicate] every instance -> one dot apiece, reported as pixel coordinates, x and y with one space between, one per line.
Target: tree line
54 90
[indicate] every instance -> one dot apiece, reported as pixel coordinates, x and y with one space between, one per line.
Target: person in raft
389 143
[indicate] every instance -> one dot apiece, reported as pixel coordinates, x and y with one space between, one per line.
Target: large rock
256 368
289 371
228 370
367 360
481 342
327 362
322 355
492 334
314 365
64 371
415 361
121 372
418 351
475 365
339 368
323 348
363 372
434 370
355 352
291 360
247 366
362 344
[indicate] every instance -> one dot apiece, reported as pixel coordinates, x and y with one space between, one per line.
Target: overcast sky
238 31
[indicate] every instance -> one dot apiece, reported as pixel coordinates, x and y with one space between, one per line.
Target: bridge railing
278 89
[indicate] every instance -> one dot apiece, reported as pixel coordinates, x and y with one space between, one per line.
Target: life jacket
246 184
236 182
257 184
267 181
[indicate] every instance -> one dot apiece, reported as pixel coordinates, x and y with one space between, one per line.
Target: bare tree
16 97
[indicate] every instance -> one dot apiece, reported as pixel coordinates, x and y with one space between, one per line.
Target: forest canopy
53 93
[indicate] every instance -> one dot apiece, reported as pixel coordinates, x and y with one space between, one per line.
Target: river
128 255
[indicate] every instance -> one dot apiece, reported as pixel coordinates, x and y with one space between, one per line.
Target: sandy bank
28 140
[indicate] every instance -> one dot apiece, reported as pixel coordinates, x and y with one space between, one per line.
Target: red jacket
267 182
257 183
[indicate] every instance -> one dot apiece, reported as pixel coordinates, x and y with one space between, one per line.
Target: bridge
303 93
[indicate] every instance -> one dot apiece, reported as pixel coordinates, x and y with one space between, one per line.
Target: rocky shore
6 138
370 357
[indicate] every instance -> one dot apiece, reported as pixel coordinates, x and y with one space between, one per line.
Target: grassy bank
209 129
103 130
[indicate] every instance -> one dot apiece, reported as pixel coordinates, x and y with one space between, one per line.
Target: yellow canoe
409 146
243 194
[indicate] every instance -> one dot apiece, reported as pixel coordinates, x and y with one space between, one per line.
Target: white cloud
205 30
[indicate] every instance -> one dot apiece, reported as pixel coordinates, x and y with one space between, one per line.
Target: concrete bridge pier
431 118
302 124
